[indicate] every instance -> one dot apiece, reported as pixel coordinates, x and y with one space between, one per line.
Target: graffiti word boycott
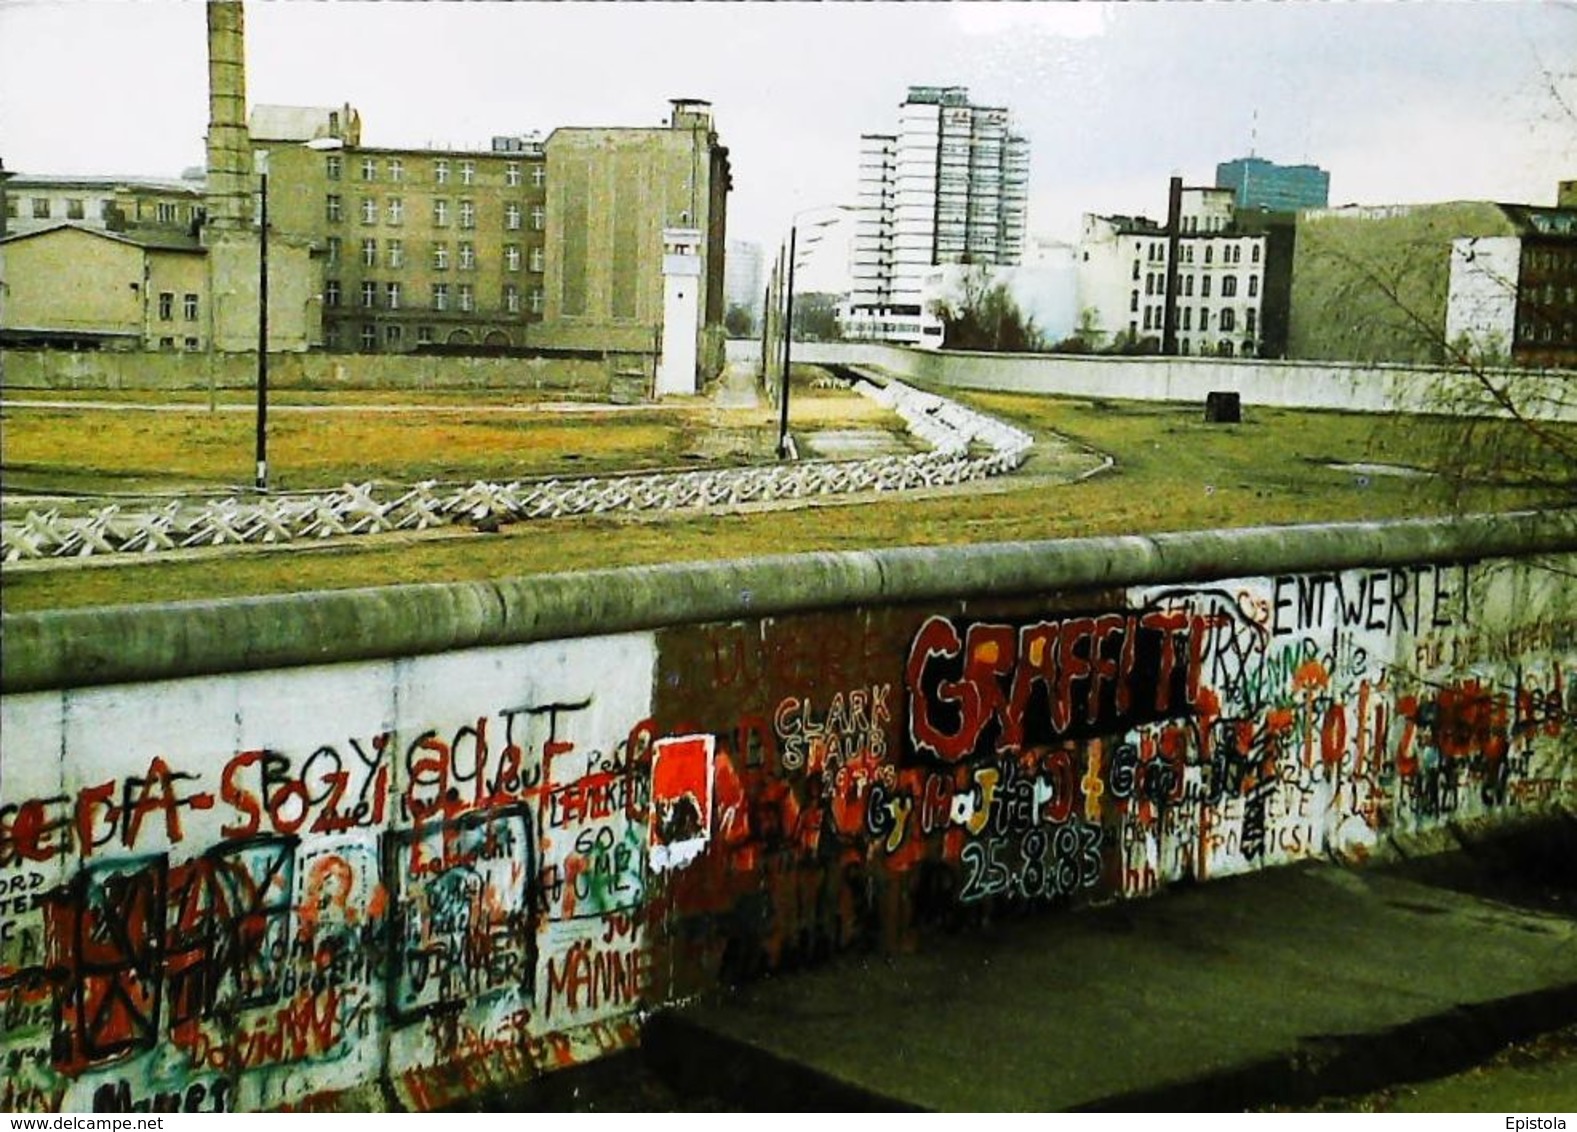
1051 679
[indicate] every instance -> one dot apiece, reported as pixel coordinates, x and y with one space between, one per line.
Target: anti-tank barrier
951 432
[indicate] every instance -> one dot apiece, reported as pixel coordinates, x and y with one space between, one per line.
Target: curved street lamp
788 309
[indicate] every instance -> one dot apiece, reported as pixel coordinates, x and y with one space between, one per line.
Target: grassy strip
1174 472
86 449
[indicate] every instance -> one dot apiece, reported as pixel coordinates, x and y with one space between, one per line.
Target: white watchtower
676 367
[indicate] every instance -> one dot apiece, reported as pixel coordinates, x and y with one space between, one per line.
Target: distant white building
1122 267
743 284
950 187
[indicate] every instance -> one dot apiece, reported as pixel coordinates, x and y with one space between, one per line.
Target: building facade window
1228 321
536 300
396 254
369 210
396 211
539 176
1204 286
369 169
40 208
1204 319
332 208
512 216
468 172
396 169
331 292
332 250
369 293
1188 285
1188 318
467 214
331 336
441 171
1229 287
441 213
511 298
1254 255
167 212
392 335
166 305
332 164
440 296
536 259
511 257
1253 286
512 174
369 337
424 335
1133 301
440 257
189 306
539 217
467 257
391 296
1147 318
1250 318
191 344
369 253
466 298
75 209
166 343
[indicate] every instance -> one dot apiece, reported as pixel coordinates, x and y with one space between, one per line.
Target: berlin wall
391 848
1344 386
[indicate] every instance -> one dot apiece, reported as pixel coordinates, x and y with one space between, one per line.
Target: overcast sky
1399 101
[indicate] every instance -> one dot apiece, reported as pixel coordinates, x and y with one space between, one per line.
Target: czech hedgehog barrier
393 847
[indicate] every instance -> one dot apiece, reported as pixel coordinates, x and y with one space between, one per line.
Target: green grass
1173 472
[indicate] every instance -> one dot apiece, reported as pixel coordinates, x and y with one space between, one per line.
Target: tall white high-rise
950 187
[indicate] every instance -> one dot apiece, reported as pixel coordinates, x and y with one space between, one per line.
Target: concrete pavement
1270 989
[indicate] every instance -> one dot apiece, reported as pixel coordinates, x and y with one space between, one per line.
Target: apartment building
951 186
1219 289
418 247
1513 297
34 201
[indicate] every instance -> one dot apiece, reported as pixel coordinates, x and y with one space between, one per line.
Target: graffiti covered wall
400 882
246 892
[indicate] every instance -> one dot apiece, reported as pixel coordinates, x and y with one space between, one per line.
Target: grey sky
1401 102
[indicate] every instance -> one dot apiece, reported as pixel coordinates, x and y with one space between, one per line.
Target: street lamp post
788 345
261 158
788 317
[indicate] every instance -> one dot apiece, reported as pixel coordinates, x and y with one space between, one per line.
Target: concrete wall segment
399 847
78 648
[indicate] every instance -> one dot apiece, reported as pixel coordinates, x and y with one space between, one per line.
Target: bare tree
981 314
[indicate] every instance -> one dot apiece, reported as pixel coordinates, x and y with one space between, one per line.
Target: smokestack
1174 231
229 146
